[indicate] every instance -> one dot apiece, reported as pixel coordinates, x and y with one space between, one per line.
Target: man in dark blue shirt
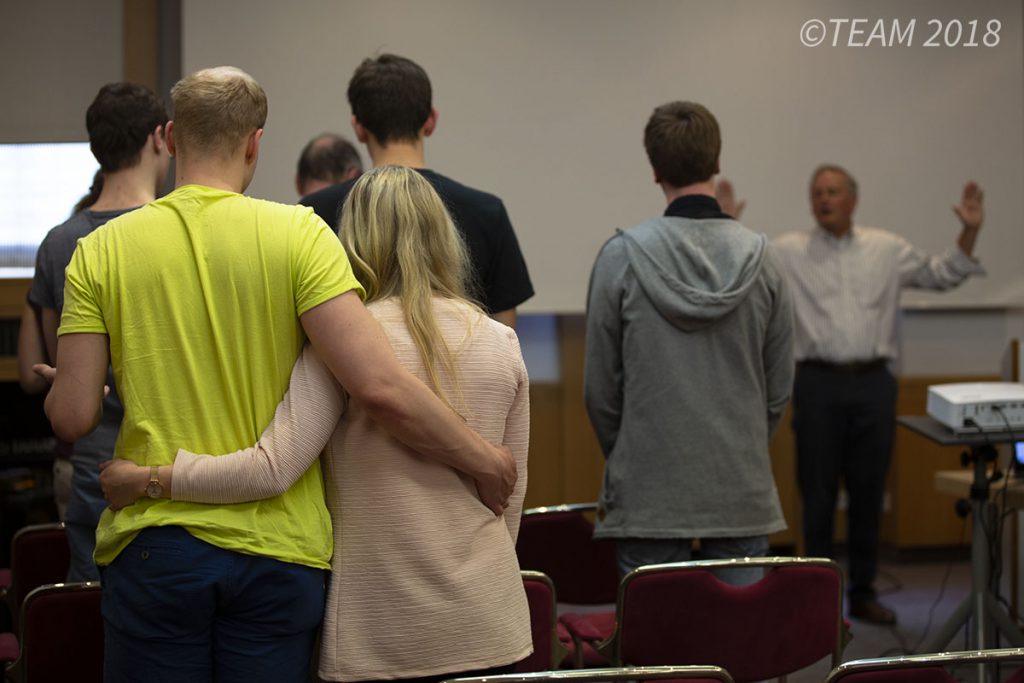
392 115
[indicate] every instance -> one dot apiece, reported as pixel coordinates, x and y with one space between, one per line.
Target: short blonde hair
402 243
215 109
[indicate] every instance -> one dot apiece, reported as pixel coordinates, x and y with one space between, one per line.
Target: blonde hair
402 243
215 109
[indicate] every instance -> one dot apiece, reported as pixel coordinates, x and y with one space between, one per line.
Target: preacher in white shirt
845 281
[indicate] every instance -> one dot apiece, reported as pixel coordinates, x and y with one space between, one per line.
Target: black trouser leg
819 424
868 452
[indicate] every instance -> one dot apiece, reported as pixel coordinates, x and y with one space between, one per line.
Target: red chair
61 635
39 555
682 613
548 651
559 541
927 668
707 674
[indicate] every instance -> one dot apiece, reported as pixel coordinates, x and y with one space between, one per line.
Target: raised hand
726 197
971 210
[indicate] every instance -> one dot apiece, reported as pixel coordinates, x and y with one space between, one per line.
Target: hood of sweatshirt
694 271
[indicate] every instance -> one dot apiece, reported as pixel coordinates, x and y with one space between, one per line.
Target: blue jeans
84 510
178 609
636 552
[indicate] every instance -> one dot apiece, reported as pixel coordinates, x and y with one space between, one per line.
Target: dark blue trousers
178 609
844 421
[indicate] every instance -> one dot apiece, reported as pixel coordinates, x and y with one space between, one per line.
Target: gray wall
544 103
55 55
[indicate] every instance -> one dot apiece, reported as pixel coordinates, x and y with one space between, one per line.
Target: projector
978 406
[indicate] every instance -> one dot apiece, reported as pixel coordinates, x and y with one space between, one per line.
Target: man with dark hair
203 300
392 114
125 123
846 283
120 120
327 159
688 365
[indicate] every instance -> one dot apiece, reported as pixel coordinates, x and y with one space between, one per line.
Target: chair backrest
927 668
682 613
558 541
547 652
629 673
39 555
61 635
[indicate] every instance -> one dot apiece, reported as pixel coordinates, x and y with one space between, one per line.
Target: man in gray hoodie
689 365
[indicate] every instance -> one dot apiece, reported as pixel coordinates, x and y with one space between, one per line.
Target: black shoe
872 612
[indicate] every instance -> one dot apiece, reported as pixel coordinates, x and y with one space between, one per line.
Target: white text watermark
861 32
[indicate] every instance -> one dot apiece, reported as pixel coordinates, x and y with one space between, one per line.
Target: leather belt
857 367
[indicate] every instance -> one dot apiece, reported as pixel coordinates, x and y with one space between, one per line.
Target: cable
989 525
895 585
996 573
902 647
942 593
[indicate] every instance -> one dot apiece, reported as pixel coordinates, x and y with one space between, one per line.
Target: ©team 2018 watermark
861 32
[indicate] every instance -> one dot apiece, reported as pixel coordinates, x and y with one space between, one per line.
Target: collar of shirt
836 242
698 206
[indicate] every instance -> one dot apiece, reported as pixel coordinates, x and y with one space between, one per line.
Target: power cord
996 540
992 525
942 593
993 528
905 649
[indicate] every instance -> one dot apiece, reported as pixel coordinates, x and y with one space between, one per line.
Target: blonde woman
425 582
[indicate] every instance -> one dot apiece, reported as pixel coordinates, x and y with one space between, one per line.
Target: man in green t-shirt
201 302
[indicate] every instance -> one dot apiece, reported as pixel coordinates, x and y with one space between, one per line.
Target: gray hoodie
689 366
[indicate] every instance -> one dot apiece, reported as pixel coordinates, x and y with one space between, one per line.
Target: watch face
154 489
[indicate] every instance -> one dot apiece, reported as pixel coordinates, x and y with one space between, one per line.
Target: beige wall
55 56
544 103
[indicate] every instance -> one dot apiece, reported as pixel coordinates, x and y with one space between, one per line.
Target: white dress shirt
846 290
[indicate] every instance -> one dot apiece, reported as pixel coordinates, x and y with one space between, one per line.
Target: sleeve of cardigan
302 426
517 438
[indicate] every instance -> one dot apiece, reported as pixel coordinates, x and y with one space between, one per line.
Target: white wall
958 342
544 103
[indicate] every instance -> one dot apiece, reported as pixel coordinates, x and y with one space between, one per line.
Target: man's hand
971 211
726 196
495 486
353 345
123 482
47 372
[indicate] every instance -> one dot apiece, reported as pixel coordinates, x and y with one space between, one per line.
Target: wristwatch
154 489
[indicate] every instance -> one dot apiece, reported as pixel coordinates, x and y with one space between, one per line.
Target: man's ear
718 169
430 124
172 147
359 130
158 139
352 173
298 186
252 146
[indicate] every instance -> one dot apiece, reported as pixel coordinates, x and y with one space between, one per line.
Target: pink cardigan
425 579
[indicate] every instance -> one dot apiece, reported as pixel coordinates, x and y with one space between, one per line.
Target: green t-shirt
200 294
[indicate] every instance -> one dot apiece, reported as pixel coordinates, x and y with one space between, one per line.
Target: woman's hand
123 482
